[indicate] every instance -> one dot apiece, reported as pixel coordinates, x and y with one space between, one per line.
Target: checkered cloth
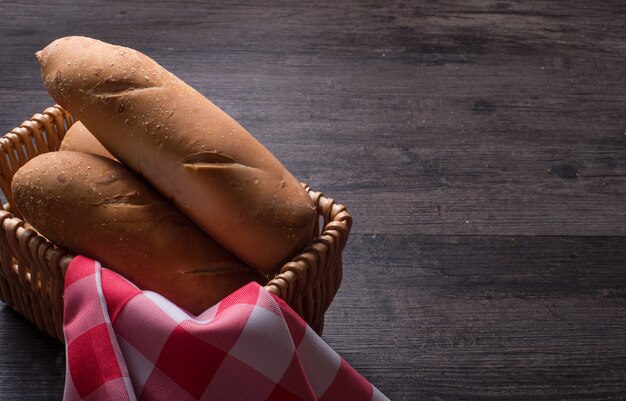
128 344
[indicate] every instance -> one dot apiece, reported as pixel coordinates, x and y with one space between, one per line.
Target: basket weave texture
32 269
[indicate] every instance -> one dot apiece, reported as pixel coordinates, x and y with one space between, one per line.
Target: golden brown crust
96 207
185 146
79 139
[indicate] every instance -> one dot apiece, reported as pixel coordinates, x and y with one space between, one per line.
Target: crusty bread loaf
185 146
96 207
79 139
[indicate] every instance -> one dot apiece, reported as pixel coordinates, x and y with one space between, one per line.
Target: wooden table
479 145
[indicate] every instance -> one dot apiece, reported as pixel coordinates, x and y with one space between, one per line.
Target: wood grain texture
479 145
484 318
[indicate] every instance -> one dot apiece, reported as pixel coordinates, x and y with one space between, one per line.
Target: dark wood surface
480 146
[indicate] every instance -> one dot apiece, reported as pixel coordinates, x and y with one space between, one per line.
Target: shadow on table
32 364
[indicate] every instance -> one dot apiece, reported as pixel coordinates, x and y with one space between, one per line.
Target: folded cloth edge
250 331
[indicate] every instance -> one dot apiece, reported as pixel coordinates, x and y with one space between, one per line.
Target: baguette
79 139
190 150
96 207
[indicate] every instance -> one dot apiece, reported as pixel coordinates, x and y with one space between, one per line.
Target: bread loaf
185 146
79 139
96 207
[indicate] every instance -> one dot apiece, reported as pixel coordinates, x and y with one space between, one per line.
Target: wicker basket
32 269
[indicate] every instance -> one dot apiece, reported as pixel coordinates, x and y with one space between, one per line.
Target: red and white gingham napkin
126 344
